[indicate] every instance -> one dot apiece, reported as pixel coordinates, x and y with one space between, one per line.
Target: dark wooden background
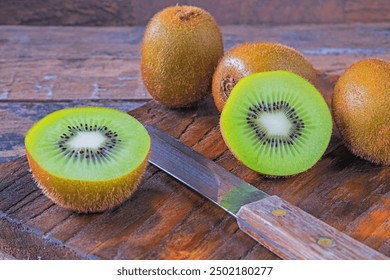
226 12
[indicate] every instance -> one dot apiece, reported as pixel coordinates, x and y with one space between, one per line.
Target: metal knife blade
280 226
201 174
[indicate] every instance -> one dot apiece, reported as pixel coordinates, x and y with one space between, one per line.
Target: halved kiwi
87 159
276 123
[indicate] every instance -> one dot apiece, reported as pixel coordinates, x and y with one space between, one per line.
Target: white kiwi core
87 139
276 124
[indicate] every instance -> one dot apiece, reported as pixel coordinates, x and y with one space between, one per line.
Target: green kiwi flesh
87 159
276 123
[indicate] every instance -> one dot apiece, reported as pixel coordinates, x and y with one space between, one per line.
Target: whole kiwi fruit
180 49
254 57
361 109
88 159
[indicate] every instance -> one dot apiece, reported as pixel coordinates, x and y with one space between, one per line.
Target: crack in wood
187 127
204 136
41 211
16 207
18 201
60 224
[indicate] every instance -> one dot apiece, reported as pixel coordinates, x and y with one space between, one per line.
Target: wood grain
132 12
165 220
367 11
69 12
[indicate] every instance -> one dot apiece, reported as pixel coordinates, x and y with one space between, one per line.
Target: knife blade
283 228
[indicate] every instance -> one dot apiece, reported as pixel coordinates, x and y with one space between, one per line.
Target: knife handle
291 233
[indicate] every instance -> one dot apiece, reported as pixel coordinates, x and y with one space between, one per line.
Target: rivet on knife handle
296 234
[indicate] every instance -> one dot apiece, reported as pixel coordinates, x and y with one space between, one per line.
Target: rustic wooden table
43 69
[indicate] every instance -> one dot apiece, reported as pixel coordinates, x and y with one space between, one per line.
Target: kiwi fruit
276 123
180 49
361 109
254 57
87 159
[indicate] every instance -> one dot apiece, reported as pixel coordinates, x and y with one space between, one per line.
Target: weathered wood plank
73 63
18 238
132 12
25 243
18 117
70 63
367 11
70 12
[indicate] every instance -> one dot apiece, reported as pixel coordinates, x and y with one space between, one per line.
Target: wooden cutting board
165 220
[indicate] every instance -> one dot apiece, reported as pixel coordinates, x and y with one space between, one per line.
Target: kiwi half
254 57
276 123
361 108
87 159
180 49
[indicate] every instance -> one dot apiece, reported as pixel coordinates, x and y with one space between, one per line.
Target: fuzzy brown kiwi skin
253 57
87 196
360 105
180 50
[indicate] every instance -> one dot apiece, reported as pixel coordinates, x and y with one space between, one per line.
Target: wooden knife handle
291 233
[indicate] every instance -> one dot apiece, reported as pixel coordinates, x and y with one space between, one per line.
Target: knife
281 227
